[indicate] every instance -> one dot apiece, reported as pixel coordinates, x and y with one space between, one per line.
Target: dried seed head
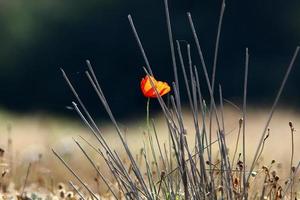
62 194
273 161
1 152
265 168
267 135
4 172
69 195
293 169
276 178
291 124
270 180
253 174
240 164
61 186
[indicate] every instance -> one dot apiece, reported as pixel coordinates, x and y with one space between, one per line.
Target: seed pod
1 152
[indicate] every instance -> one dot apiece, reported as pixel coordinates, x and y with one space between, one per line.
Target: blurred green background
39 37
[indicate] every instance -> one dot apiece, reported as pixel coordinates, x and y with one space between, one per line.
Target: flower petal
148 84
149 91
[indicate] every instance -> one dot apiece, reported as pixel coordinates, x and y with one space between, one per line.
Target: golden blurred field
33 136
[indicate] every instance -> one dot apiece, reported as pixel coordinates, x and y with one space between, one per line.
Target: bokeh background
39 37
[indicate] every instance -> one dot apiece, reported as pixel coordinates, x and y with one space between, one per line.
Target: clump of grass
178 169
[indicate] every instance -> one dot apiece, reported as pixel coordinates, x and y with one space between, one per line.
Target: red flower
162 88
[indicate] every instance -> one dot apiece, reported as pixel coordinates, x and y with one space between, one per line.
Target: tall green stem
148 115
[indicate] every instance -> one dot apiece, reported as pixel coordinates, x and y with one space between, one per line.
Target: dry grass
35 136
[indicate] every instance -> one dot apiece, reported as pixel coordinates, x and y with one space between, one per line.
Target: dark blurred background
39 37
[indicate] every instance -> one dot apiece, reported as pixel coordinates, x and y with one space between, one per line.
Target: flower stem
148 115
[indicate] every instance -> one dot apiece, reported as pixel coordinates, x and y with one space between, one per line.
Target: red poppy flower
162 88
